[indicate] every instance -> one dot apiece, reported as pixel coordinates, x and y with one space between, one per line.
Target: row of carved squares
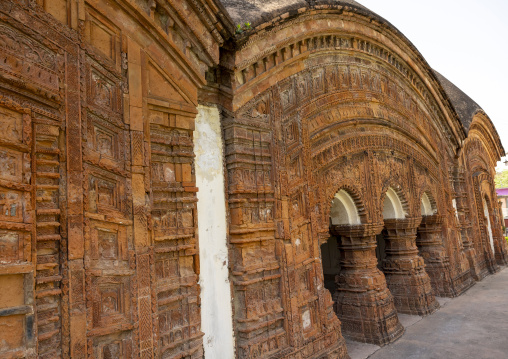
178 320
180 314
252 177
262 212
263 299
174 219
171 267
270 344
299 87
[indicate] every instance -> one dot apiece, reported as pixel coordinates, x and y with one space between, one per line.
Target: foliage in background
501 179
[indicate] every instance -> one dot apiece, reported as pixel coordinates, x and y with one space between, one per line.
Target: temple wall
97 107
165 184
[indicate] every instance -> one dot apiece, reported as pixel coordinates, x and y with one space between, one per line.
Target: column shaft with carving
363 302
464 217
405 270
437 262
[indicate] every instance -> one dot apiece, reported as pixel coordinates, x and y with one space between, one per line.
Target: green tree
502 179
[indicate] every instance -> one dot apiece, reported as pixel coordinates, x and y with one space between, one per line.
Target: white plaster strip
216 308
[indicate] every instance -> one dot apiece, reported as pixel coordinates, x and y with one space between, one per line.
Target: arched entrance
343 212
404 269
392 209
362 301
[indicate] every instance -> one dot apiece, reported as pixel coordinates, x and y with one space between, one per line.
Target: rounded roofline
266 16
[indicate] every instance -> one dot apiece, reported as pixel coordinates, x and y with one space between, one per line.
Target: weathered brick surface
98 219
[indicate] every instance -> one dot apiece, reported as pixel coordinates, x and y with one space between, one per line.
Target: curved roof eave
263 14
464 105
467 108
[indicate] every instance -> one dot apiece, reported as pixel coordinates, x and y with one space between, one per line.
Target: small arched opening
392 209
427 209
343 212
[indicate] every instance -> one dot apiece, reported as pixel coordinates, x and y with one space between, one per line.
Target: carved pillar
437 263
466 229
363 302
500 250
405 270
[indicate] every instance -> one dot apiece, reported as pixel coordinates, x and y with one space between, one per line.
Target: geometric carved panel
11 205
11 165
102 35
11 124
110 300
12 330
11 246
105 194
108 242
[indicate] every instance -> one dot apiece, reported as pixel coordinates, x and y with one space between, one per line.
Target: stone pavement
472 326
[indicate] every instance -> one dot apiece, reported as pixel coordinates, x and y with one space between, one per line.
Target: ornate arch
356 196
401 194
429 192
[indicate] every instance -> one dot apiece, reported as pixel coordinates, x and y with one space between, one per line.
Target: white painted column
216 305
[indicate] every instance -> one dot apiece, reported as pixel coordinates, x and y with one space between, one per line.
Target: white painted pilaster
216 306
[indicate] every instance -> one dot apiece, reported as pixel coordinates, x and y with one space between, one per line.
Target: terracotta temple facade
230 179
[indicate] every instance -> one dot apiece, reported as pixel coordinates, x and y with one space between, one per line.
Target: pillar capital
403 224
357 231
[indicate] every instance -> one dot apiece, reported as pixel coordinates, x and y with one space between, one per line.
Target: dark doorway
380 250
331 263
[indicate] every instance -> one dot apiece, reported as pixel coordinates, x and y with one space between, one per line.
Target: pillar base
475 268
404 269
501 252
441 279
463 282
412 293
431 249
363 303
369 317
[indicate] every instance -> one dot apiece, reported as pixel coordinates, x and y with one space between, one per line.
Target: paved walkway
472 326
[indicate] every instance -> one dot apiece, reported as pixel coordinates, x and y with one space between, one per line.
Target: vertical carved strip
75 206
48 238
142 242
